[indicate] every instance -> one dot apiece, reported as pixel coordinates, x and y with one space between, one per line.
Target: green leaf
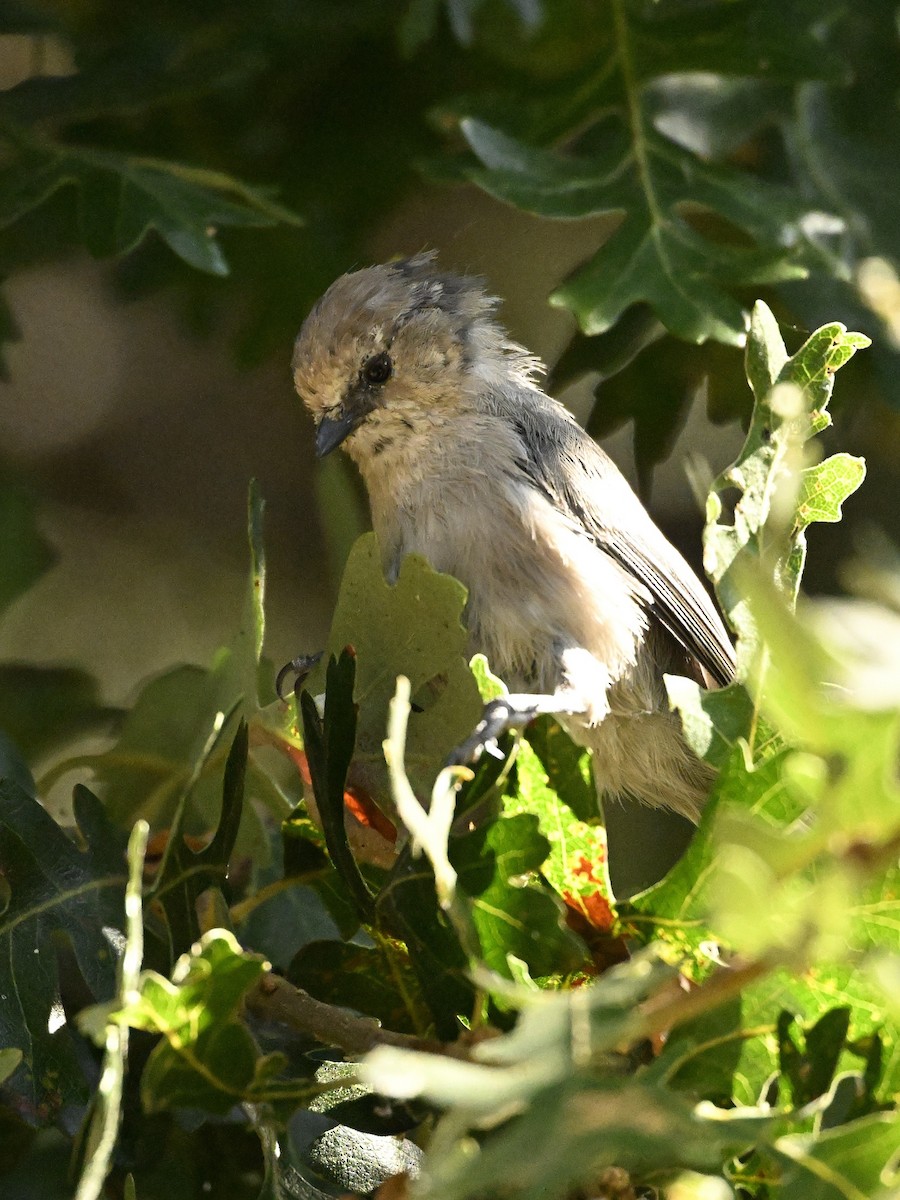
776 501
122 197
853 1162
567 766
329 749
249 644
715 722
342 511
755 877
825 487
207 1058
513 914
183 873
693 229
545 1047
655 256
700 1057
25 554
45 707
809 997
676 910
550 1103
577 1130
9 1062
407 909
411 628
138 78
802 694
54 888
162 738
554 781
358 977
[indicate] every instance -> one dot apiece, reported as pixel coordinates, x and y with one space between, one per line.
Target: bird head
391 348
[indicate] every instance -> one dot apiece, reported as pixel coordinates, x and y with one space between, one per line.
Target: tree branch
275 999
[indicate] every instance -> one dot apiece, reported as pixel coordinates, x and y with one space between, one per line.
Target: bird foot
301 666
505 713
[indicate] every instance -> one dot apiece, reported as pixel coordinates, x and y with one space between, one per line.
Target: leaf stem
635 116
104 1127
242 910
412 1000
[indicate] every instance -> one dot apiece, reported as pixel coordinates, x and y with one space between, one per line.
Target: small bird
578 600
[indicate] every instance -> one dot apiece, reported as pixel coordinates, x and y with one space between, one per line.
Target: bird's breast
537 585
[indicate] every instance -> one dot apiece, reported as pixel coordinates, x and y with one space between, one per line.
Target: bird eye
378 369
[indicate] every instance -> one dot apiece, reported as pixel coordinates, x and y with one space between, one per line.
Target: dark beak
332 431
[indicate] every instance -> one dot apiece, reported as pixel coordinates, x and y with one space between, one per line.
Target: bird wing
571 470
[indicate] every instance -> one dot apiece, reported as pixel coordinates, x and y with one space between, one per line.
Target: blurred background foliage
179 182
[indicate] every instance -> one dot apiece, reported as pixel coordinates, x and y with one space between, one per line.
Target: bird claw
301 666
512 712
497 717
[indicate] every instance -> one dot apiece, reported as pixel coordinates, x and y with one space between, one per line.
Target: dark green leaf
25 554
53 888
655 256
184 873
19 16
137 79
43 707
407 909
162 738
329 749
809 1071
122 198
358 977
700 1057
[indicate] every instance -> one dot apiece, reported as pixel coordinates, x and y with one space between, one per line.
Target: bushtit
575 596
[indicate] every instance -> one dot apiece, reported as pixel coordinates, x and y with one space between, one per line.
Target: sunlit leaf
411 628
